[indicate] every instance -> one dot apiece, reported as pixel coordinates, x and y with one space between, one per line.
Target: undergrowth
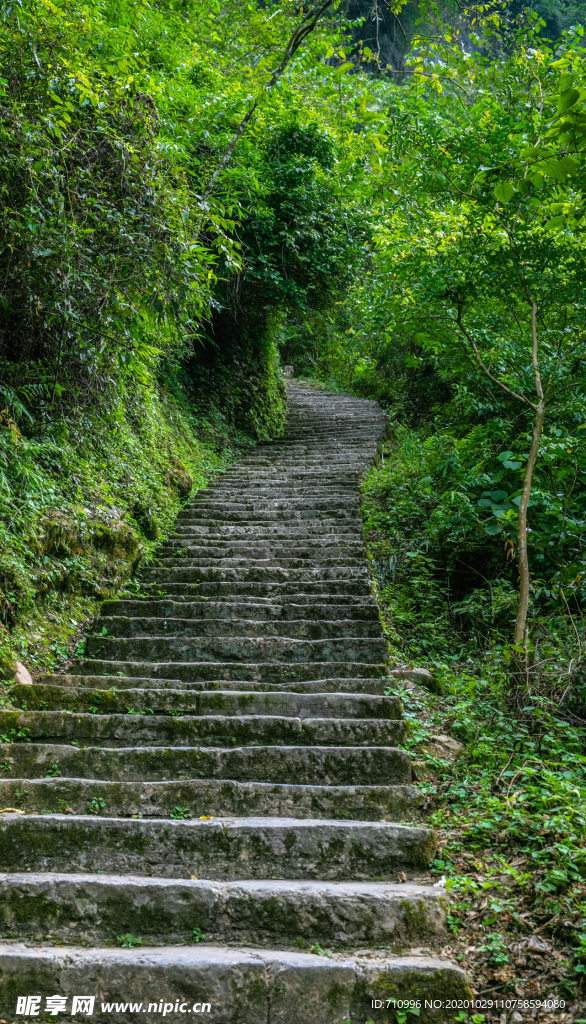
85 498
501 760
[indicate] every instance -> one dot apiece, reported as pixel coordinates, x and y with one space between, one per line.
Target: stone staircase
221 777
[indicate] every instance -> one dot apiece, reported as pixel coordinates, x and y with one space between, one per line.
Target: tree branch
504 387
303 29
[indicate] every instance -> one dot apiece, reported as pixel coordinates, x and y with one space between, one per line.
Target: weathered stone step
318 548
376 686
96 908
212 730
279 672
222 561
284 544
223 849
216 797
302 765
239 985
43 697
330 531
264 574
235 648
265 611
247 504
301 629
195 517
302 487
325 590
290 462
316 477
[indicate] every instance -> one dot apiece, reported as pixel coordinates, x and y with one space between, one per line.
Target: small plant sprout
128 941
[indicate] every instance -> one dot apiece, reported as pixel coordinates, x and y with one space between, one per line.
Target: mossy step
211 730
224 849
240 985
278 672
219 797
298 629
43 697
95 908
235 648
327 685
302 765
259 611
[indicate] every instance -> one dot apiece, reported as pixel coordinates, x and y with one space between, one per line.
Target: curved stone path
222 776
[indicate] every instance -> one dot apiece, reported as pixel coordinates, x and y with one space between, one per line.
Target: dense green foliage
137 306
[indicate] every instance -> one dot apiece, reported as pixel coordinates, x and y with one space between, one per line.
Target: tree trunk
522 555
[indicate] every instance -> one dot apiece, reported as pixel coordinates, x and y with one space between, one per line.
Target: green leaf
567 99
555 169
569 165
504 191
346 66
564 83
512 465
554 223
492 529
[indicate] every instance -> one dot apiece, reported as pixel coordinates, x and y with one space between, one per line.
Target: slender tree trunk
539 410
522 554
522 531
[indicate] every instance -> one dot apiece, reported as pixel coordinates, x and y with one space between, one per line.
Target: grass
509 808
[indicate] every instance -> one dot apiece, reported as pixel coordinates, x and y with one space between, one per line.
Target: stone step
329 531
320 590
376 686
281 476
303 485
250 503
278 672
96 908
287 545
247 548
211 730
43 697
300 629
300 765
238 984
264 574
222 561
191 798
265 611
195 517
320 461
235 648
224 849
